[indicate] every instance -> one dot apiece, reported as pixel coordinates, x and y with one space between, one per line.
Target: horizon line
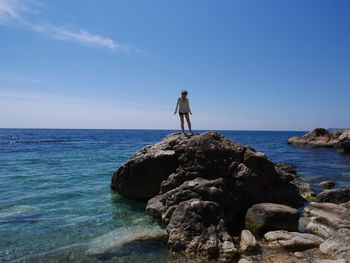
148 129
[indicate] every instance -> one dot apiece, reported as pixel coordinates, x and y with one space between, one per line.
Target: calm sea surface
56 204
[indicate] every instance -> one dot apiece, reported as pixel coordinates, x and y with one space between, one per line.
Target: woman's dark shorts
183 113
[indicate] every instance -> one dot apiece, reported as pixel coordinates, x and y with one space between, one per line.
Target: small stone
243 260
248 241
298 255
327 184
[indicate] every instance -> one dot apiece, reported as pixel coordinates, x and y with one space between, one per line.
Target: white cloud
13 12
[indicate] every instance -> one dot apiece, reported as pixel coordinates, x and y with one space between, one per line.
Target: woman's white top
183 105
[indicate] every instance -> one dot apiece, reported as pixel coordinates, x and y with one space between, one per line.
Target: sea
56 204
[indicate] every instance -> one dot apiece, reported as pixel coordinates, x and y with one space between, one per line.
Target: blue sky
249 64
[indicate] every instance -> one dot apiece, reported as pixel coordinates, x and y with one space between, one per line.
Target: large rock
336 196
292 241
326 218
265 217
338 244
339 139
201 187
196 227
141 176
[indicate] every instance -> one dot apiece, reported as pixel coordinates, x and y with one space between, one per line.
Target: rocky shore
223 201
338 139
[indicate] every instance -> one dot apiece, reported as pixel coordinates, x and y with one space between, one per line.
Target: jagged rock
338 244
336 196
339 139
292 241
197 228
248 241
141 176
265 217
326 218
327 184
289 168
201 186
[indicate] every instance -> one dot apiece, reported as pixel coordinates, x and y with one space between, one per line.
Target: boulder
201 187
141 176
265 217
338 139
196 228
338 244
292 241
336 196
327 184
248 241
326 218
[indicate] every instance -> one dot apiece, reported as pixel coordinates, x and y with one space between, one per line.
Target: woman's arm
188 101
177 106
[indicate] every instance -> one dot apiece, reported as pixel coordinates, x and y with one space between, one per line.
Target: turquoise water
56 204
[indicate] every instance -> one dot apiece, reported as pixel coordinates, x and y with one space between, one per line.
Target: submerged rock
292 241
339 139
201 187
327 184
265 217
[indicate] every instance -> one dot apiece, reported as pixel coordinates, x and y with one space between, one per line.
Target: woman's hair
184 92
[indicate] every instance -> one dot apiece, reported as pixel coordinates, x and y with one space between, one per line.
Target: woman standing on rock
183 105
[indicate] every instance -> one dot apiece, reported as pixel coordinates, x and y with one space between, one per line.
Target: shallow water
56 204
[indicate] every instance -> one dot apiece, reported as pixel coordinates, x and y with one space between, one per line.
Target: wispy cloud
15 13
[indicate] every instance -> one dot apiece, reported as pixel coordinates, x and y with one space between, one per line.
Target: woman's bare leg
188 122
182 123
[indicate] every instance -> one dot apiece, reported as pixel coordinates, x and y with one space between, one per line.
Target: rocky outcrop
265 217
338 244
339 139
344 142
326 218
336 196
292 241
201 187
